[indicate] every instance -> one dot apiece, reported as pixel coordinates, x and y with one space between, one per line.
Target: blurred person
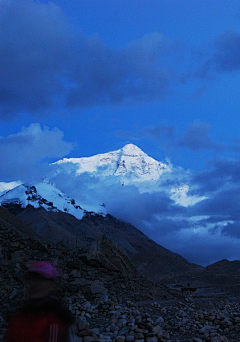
42 318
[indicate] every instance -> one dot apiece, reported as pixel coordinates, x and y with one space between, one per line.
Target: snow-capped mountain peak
129 163
131 149
5 186
43 195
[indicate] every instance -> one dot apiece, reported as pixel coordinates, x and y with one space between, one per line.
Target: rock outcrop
109 255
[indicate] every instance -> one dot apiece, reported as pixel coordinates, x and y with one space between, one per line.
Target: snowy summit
131 166
129 163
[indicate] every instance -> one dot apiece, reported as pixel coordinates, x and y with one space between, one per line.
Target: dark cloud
26 155
197 137
226 56
121 201
222 203
125 201
44 63
162 133
223 56
34 50
222 173
163 227
207 249
221 186
104 76
232 229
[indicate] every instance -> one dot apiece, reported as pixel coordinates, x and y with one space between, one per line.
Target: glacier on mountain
5 186
129 163
43 195
131 166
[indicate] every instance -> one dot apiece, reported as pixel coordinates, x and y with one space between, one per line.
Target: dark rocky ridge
152 260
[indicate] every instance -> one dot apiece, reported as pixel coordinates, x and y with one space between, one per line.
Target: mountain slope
42 195
52 215
62 227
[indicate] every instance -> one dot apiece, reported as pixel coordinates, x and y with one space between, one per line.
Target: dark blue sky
83 77
111 72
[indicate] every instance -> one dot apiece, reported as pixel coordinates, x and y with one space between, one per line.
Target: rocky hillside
107 296
99 273
152 260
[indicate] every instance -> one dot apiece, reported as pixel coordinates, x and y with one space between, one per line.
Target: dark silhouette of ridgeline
135 251
151 260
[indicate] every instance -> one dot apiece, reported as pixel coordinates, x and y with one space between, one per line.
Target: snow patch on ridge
43 195
5 186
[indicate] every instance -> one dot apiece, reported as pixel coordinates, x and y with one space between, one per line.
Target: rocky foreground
178 322
104 314
110 304
114 308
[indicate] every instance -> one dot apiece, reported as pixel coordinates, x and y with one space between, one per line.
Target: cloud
232 229
45 63
221 184
221 224
204 232
222 56
35 46
114 76
197 137
125 201
226 55
204 249
222 174
222 203
162 133
26 155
